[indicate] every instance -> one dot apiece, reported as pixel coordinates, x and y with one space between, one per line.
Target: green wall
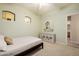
19 27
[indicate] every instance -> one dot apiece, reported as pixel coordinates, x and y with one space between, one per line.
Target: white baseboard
61 42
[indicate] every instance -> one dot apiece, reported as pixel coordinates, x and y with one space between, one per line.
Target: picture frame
28 19
8 15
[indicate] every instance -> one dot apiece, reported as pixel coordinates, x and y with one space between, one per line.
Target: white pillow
2 43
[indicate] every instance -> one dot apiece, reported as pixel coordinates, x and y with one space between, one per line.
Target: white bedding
21 44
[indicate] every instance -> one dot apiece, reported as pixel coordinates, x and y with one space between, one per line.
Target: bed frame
30 50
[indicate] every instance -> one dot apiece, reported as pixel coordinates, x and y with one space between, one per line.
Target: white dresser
48 37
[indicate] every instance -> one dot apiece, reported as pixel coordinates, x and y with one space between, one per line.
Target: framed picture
27 19
8 15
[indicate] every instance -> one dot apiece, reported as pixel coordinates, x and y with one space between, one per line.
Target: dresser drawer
48 37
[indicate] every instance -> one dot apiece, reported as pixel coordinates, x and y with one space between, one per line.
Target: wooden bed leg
42 46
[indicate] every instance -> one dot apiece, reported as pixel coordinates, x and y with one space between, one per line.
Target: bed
22 46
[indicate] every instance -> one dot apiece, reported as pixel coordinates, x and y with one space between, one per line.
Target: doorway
73 30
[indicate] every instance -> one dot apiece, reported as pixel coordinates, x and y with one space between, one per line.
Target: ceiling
41 9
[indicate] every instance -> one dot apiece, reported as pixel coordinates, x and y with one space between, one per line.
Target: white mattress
20 44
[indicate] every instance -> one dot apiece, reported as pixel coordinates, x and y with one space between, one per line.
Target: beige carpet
56 50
